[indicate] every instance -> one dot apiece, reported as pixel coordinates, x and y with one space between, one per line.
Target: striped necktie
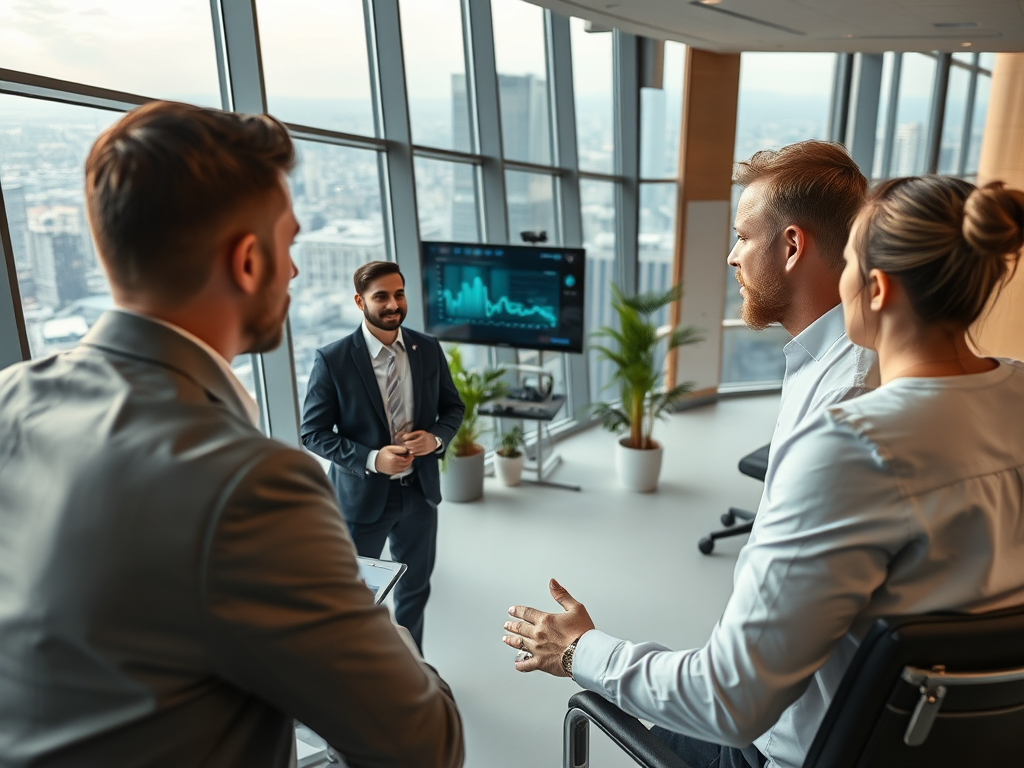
396 406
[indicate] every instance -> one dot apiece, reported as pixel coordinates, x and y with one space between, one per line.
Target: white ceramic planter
509 471
463 478
638 470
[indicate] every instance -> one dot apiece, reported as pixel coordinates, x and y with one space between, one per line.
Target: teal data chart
499 297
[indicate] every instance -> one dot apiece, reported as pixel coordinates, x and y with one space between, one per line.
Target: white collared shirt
252 410
379 360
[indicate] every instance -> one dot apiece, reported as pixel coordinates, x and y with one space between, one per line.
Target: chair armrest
625 730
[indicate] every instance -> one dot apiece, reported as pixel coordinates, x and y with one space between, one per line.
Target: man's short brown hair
372 270
813 184
162 181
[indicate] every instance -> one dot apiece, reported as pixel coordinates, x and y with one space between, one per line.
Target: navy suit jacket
343 418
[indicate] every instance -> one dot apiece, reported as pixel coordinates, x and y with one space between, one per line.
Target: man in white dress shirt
792 223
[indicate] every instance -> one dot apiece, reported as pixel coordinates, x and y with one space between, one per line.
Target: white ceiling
869 26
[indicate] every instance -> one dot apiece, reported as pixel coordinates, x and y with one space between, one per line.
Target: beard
765 304
385 321
263 325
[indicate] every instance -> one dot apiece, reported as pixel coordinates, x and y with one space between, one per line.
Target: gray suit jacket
175 587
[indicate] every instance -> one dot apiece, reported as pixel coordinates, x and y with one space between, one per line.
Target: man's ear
794 239
880 290
359 303
245 264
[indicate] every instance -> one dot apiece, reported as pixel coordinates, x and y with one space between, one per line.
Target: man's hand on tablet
543 637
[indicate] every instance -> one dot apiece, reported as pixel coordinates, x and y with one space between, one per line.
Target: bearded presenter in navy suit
381 406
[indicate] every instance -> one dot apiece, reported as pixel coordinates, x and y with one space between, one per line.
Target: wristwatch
567 659
439 442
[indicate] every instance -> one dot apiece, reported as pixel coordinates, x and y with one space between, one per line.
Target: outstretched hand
547 635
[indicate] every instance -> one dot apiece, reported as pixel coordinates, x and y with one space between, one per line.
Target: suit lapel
363 364
144 339
412 353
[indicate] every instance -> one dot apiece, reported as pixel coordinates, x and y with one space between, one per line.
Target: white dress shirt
379 358
252 410
906 500
823 367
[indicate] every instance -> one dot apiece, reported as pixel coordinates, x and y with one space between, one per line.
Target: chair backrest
930 691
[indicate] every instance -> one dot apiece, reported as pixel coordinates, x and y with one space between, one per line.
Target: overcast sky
311 48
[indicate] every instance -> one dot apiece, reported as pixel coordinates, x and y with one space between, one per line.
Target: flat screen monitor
523 296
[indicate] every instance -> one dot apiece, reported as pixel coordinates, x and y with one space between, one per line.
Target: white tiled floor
632 559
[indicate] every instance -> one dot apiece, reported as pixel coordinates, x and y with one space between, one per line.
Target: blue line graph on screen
499 297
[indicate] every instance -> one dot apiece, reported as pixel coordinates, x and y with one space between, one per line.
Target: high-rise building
60 260
908 150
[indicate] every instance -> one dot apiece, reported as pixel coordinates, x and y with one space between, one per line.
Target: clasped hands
546 635
395 459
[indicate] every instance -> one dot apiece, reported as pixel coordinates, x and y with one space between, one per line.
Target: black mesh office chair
753 465
936 691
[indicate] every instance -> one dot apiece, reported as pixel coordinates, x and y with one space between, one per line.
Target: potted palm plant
509 459
464 460
638 358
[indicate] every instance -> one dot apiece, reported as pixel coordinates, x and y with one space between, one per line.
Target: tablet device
380 576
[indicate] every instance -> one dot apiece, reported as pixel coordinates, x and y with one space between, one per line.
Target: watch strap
567 655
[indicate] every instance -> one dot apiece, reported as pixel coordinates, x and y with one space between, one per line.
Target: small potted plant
638 356
509 458
464 461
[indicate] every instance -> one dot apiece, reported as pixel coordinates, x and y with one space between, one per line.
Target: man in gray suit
175 587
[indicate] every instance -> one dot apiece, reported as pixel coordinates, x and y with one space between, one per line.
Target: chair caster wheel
728 519
706 546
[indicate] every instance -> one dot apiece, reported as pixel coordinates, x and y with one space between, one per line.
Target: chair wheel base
728 519
706 546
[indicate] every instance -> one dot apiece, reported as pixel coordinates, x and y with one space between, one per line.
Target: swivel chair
932 691
753 465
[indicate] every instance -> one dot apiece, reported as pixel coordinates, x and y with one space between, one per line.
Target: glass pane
521 60
753 357
435 73
446 195
531 205
966 58
43 146
987 61
592 88
661 114
597 200
784 97
917 80
888 60
160 49
953 121
315 65
981 94
657 240
336 192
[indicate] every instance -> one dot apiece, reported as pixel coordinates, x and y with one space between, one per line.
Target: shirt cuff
440 448
590 659
371 461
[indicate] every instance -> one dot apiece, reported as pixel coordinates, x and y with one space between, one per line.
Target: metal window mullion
626 94
243 87
387 71
864 128
18 83
482 87
563 113
839 109
968 126
13 346
939 91
890 115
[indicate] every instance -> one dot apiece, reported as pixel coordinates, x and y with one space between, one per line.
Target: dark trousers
409 522
702 754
